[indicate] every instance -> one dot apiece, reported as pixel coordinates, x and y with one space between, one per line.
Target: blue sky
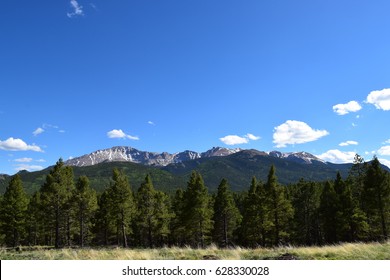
77 76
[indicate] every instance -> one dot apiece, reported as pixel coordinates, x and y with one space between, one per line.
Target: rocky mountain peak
300 157
220 152
130 154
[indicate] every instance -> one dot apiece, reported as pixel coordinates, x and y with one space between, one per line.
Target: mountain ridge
238 168
130 154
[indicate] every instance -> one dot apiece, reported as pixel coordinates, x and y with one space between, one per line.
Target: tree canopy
69 212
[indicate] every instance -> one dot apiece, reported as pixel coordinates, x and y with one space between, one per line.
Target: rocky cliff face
300 157
129 154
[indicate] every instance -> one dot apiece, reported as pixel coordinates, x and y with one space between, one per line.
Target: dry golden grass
347 251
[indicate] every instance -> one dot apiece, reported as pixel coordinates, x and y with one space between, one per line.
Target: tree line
68 212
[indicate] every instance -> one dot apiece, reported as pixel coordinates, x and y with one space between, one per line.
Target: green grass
347 251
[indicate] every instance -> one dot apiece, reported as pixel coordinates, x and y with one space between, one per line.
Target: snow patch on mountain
301 157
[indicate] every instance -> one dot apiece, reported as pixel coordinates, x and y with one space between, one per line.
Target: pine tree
104 226
341 205
353 222
250 227
56 195
226 215
376 200
329 213
339 185
356 177
85 206
279 209
13 212
197 212
163 218
255 221
34 225
306 200
121 205
178 222
146 211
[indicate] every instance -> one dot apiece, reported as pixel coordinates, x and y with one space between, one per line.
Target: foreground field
348 251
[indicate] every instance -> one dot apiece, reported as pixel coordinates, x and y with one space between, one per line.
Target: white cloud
347 143
151 123
380 98
12 144
47 126
23 160
252 137
236 140
387 142
296 132
337 156
343 109
118 133
38 131
28 167
132 137
77 9
384 161
384 151
40 160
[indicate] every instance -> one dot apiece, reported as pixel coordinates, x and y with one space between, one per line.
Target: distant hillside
100 175
238 168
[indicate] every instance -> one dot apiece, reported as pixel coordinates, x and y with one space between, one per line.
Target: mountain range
129 154
171 171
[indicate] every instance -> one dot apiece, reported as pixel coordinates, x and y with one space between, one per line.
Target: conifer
252 232
376 200
197 213
146 211
13 212
85 206
121 205
56 195
328 213
226 215
279 209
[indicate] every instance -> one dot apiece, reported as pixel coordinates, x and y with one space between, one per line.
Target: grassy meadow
347 251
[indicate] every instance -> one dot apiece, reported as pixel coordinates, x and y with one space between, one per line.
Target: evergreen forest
68 212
